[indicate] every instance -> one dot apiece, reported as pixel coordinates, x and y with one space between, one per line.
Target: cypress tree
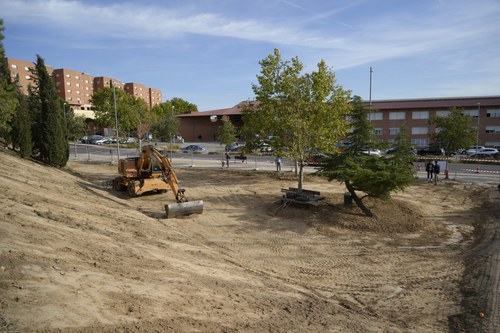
51 130
21 127
8 101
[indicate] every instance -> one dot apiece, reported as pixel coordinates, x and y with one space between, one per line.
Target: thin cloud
384 37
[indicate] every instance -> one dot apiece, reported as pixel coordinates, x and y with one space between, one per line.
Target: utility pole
116 124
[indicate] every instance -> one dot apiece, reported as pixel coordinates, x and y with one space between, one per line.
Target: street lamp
171 133
116 123
477 131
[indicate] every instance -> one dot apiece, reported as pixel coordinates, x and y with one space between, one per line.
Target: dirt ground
77 256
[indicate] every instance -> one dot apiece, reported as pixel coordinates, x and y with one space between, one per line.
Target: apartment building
76 87
20 70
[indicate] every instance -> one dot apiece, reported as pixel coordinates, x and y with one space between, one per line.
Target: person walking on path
277 161
436 169
429 168
227 159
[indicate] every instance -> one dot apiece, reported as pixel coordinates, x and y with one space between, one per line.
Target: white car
489 150
473 150
374 152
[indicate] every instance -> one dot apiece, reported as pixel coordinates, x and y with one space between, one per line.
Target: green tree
373 175
182 106
21 127
167 124
453 131
51 128
226 133
297 112
8 100
76 125
131 111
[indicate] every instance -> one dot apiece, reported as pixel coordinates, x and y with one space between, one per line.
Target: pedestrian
429 168
277 161
436 170
227 159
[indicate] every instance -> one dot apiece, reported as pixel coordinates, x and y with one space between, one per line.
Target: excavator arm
182 207
168 174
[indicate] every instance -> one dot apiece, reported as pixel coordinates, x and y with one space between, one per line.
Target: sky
208 51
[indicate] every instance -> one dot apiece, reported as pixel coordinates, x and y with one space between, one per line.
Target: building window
78 84
492 144
67 75
442 113
376 116
419 130
377 131
471 113
493 113
492 129
420 142
77 77
420 115
14 66
68 83
69 90
26 68
397 115
27 77
393 131
78 92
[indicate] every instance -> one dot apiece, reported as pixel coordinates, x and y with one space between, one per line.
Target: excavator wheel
118 185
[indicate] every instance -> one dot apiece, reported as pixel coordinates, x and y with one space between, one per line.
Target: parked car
94 138
392 150
235 146
430 151
373 152
129 140
473 150
194 148
315 159
105 140
489 150
485 155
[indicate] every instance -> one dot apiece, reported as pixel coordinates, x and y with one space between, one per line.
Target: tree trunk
301 177
358 201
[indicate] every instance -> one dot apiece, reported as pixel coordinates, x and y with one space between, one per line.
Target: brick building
387 117
76 87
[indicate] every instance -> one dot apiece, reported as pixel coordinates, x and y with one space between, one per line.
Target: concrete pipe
184 208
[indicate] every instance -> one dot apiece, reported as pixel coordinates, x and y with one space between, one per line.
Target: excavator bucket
184 208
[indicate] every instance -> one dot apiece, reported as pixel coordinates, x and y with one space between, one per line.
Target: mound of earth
77 256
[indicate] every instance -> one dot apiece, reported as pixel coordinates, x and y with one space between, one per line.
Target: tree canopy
226 133
295 111
454 131
375 176
131 111
8 100
49 128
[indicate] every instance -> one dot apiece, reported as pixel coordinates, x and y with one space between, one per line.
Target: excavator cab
152 172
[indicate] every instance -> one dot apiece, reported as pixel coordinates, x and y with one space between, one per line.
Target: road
468 172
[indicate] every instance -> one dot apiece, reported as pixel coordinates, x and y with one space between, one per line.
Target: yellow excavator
152 172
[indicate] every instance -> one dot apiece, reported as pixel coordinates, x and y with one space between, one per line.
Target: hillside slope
76 256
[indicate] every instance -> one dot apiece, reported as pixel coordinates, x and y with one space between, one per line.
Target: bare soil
77 256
